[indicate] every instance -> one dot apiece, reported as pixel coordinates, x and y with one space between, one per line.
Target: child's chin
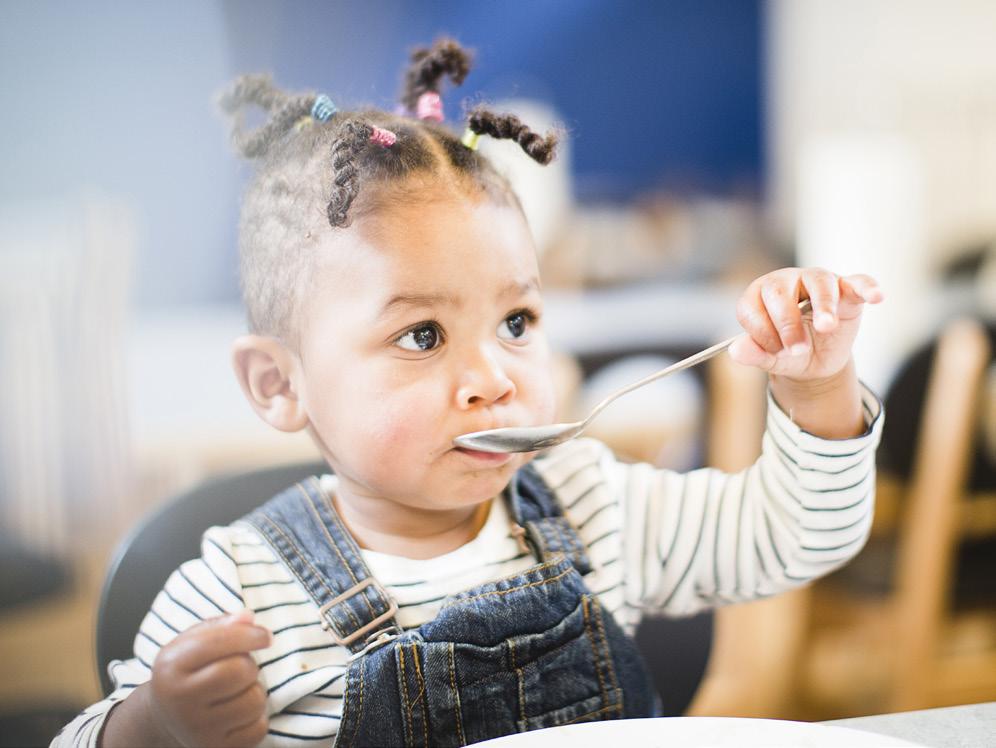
483 487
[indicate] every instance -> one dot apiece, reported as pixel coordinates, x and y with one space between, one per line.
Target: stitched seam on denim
572 720
335 546
456 694
519 680
539 583
556 538
549 538
608 655
359 717
420 699
327 500
594 651
531 570
404 696
318 577
562 537
304 559
321 523
538 538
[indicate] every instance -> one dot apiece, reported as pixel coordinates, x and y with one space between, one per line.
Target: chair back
164 539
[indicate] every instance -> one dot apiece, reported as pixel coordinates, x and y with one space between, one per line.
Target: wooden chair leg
929 532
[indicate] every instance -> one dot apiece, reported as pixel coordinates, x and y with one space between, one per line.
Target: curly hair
317 174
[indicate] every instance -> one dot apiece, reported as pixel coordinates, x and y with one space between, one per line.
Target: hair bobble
430 106
470 139
323 108
381 137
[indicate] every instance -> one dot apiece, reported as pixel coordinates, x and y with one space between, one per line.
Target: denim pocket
469 692
566 674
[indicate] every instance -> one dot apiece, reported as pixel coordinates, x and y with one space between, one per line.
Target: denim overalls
532 650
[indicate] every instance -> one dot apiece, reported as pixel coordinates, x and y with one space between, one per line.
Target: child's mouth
489 458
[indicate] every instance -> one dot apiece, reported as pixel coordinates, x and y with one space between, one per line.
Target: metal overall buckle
345 641
375 640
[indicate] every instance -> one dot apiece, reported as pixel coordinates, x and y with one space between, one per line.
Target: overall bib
532 650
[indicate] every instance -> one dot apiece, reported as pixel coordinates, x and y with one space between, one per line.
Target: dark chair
676 650
167 537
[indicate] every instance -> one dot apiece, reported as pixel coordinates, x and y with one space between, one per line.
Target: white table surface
966 726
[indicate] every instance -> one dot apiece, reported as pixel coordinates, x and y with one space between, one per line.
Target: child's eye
516 325
425 337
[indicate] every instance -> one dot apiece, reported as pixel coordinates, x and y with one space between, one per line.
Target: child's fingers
250 734
241 708
746 351
755 320
222 679
781 299
215 639
860 289
824 293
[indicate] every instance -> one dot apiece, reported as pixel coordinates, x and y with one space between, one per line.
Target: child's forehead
435 245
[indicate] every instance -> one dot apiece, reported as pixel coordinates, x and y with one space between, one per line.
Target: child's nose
484 382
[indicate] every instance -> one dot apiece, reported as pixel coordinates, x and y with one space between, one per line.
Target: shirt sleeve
705 538
202 588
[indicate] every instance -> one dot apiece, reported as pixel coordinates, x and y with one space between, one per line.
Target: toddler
425 594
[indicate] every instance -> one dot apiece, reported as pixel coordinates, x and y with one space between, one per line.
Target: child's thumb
242 616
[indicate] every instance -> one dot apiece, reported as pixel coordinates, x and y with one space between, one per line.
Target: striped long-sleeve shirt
659 541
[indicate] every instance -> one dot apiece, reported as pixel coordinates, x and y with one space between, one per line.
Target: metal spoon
532 438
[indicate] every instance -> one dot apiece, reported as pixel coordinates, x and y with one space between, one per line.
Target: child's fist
204 688
780 341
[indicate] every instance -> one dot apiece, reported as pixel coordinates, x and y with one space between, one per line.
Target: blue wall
654 93
117 97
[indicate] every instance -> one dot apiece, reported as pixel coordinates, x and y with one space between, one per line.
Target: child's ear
267 372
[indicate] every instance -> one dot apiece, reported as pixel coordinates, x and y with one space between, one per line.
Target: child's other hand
778 340
205 689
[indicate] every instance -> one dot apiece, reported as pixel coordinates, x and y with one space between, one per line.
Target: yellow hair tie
470 139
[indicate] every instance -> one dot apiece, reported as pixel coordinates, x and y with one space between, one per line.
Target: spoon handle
696 358
685 363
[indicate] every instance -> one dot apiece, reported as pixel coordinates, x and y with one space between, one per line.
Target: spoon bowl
533 438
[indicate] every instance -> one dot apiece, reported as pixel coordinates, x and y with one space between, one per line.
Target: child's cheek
398 430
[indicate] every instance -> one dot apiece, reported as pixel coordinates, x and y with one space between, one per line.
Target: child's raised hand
777 338
205 689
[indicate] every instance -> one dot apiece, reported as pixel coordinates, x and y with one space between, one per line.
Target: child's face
425 326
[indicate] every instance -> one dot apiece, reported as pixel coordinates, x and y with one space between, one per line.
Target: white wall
923 70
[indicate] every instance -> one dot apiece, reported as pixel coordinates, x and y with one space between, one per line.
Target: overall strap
536 509
302 527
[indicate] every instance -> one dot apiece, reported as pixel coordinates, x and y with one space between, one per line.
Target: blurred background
709 141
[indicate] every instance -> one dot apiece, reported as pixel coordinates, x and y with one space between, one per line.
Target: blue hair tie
323 108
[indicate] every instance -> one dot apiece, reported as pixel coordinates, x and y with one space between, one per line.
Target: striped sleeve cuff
815 452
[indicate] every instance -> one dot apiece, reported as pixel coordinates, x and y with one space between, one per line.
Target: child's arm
805 507
679 542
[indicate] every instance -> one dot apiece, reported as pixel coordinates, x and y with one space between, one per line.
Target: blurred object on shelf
64 290
921 71
658 239
971 275
660 423
911 622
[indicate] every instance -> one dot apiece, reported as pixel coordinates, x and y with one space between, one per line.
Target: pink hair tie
384 138
430 106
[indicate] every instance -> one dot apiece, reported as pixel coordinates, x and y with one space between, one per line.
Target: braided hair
320 172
